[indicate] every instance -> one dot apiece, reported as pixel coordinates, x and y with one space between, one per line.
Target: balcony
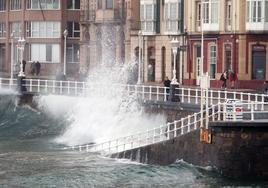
87 16
257 26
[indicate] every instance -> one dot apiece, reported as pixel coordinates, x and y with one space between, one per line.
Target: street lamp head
175 43
140 32
65 33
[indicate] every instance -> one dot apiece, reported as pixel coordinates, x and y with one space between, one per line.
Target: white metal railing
152 136
175 129
155 93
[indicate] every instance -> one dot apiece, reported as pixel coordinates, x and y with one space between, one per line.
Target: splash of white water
108 114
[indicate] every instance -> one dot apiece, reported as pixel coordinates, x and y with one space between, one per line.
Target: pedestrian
23 65
223 78
38 68
33 68
167 85
265 90
233 78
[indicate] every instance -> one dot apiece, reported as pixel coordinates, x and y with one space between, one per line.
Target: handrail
171 130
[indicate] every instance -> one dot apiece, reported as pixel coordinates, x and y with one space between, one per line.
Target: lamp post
12 57
65 34
174 45
139 63
21 43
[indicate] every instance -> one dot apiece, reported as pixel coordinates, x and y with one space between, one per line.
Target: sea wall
237 150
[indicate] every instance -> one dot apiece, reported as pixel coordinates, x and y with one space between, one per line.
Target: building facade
103 32
160 22
41 24
235 40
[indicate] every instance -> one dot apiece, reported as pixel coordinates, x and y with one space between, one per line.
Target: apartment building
160 22
235 39
41 24
103 32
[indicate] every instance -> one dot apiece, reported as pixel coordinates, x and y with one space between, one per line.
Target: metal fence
175 129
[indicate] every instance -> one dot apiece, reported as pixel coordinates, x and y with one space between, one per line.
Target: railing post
249 100
252 111
165 94
80 148
189 123
195 121
175 129
38 85
219 111
31 85
225 95
143 92
234 113
224 111
68 87
0 82
241 96
256 100
75 88
84 88
213 113
182 95
182 126
234 95
262 102
196 96
87 148
54 86
60 87
168 129
46 87
211 97
189 95
150 91
219 96
157 93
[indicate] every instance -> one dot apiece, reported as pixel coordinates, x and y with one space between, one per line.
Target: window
258 62
15 28
2 30
172 16
43 29
44 4
73 53
212 61
109 4
73 29
198 15
211 12
2 5
99 4
73 4
228 14
15 4
46 53
148 16
257 11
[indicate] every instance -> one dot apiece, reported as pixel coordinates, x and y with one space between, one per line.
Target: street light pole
174 46
65 34
12 57
139 63
21 42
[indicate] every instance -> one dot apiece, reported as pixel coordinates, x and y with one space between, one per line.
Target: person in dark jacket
167 85
38 67
223 78
23 65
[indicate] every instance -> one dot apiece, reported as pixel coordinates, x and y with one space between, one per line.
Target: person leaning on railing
167 85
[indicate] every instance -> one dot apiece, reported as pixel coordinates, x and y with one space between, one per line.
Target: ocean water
31 155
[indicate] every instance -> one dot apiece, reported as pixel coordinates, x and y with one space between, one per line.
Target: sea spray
108 112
